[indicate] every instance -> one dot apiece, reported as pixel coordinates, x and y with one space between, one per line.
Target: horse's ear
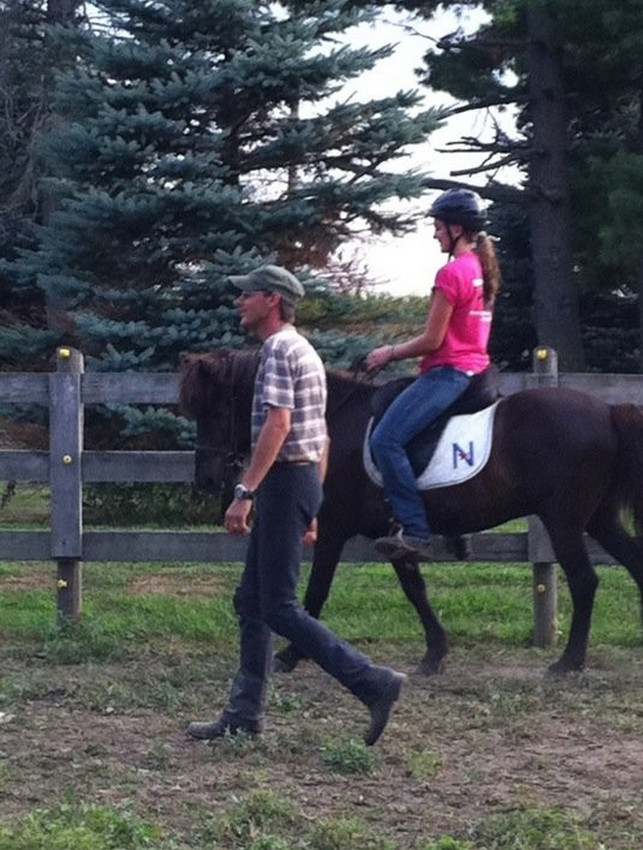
197 384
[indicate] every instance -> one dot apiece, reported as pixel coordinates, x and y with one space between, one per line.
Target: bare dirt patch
490 735
174 584
21 582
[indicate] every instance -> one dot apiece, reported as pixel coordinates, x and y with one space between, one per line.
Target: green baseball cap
271 279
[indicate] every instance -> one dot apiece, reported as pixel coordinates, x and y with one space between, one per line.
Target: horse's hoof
281 666
562 668
286 660
431 666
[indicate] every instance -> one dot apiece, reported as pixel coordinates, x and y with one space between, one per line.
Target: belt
294 463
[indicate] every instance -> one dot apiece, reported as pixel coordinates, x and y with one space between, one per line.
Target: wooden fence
66 466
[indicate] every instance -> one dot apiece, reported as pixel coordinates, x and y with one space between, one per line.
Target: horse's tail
628 421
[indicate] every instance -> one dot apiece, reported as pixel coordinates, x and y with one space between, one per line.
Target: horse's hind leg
571 553
606 529
414 587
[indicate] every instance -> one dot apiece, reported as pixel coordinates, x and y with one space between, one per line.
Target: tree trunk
556 294
61 11
640 295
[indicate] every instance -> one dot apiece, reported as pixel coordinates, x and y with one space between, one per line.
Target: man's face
254 308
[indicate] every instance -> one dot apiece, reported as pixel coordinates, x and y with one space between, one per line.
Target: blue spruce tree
194 140
197 138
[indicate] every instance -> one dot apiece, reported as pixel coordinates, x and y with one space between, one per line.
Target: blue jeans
266 600
415 408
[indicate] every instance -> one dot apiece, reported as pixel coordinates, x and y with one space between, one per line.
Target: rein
360 376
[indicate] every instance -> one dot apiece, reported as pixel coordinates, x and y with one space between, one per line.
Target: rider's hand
379 357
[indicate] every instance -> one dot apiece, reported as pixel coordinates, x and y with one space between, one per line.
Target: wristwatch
241 493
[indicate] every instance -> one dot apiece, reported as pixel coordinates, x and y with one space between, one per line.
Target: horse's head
216 389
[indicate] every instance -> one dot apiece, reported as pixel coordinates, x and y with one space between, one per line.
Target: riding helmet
460 206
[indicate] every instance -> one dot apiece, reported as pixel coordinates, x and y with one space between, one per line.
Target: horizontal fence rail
66 467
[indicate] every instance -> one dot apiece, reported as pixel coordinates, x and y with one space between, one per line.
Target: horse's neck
344 390
245 365
243 374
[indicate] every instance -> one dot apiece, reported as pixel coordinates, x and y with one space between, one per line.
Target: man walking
284 484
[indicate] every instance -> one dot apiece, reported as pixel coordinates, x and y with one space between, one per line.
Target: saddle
483 391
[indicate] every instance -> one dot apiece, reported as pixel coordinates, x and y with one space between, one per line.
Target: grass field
491 755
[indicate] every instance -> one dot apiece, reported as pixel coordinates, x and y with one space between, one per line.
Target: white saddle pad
462 451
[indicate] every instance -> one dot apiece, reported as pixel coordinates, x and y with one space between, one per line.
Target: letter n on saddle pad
462 451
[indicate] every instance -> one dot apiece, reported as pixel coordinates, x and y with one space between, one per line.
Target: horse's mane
203 375
339 379
343 376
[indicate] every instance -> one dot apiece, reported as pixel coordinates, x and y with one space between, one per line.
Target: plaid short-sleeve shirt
292 375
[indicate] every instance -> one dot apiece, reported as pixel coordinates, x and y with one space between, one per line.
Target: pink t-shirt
465 342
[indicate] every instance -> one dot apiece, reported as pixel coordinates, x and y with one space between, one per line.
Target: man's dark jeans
266 600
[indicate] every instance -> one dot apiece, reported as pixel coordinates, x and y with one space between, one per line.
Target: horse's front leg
582 581
328 549
414 587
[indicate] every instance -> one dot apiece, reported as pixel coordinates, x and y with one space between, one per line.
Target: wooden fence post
65 454
544 580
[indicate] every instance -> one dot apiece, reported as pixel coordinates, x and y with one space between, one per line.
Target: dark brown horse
564 456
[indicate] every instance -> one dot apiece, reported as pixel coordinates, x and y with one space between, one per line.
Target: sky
406 265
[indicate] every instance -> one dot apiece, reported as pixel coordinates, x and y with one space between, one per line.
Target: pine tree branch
491 103
487 166
496 192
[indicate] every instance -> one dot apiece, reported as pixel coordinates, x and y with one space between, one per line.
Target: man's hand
310 537
236 517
